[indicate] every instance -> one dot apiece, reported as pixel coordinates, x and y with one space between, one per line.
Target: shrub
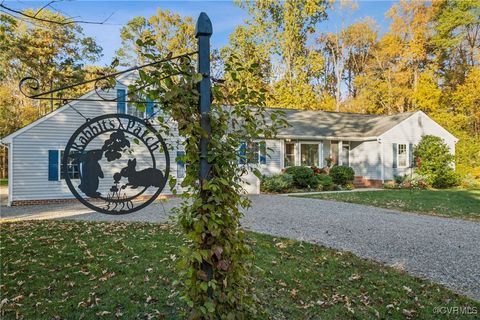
435 162
390 185
325 181
342 174
317 170
398 179
415 181
303 177
277 183
349 186
445 179
469 182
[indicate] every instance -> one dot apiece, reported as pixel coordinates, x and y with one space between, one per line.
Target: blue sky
225 15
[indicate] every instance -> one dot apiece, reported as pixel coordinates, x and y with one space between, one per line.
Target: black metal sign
116 164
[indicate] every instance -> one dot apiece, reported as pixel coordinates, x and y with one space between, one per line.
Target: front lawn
85 270
450 203
4 182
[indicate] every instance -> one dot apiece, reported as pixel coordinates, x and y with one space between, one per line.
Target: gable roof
354 126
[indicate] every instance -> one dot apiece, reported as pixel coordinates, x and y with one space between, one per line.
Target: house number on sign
123 163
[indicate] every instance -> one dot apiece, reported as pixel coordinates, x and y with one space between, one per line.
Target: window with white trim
72 168
253 153
289 154
309 154
402 155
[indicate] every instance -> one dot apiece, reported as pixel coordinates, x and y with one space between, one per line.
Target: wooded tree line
427 60
55 54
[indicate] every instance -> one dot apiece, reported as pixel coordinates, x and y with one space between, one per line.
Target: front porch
363 156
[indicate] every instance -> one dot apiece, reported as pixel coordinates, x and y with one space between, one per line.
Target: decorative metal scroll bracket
29 85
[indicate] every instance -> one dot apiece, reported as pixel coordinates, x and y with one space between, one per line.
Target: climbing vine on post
216 259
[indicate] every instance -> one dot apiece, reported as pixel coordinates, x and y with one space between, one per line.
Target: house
376 147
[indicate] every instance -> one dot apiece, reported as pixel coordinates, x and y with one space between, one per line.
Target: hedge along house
376 147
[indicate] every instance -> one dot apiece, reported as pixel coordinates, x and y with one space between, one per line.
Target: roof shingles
336 124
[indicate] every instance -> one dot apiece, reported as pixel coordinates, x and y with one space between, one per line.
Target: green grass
3 182
454 203
74 270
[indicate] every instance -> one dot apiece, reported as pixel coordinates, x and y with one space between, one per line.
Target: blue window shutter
149 107
243 153
180 165
394 154
53 163
263 152
121 101
410 155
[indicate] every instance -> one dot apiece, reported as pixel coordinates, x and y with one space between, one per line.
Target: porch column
339 155
298 154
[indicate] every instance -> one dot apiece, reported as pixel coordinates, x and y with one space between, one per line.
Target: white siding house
376 147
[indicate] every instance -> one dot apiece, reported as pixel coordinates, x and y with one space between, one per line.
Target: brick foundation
361 182
70 200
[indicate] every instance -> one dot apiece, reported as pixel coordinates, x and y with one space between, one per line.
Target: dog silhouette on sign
90 172
149 177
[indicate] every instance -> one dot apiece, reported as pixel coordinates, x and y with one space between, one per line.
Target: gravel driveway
444 250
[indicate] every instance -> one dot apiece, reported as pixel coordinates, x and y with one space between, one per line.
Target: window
253 153
72 168
289 154
309 154
402 155
121 97
181 168
133 111
130 108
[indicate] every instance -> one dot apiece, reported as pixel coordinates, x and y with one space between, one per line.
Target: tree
284 28
167 32
244 44
435 161
136 28
347 53
398 61
55 54
457 38
463 120
360 38
15 111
